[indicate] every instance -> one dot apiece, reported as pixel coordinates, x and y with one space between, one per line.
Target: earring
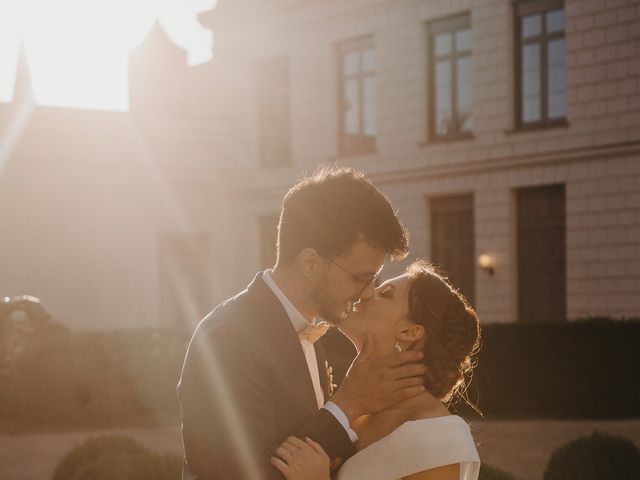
397 347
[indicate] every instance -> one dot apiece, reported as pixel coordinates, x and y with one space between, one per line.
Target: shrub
168 466
116 456
90 450
115 466
593 458
489 472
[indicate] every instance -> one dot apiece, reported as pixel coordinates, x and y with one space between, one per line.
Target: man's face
346 279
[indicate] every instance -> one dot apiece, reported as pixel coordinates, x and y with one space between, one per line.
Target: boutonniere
330 385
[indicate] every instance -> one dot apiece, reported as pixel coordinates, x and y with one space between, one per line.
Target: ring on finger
282 451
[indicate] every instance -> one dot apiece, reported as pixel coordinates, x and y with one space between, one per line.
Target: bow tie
312 333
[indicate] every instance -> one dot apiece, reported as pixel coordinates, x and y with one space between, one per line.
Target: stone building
506 133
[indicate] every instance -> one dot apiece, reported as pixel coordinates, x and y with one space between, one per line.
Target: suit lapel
321 357
278 326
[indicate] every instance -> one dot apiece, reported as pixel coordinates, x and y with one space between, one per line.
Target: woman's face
385 316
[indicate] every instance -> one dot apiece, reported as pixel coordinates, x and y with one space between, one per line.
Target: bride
416 439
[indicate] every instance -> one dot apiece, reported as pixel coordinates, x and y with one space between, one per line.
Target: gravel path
519 447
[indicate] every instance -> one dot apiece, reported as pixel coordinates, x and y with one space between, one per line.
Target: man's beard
328 309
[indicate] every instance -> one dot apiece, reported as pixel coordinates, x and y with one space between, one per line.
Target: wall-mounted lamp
487 263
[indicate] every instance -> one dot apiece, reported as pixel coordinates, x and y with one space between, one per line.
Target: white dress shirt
299 323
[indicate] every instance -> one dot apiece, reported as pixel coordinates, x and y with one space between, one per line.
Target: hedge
577 369
94 379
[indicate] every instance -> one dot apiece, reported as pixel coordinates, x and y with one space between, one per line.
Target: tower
158 75
23 88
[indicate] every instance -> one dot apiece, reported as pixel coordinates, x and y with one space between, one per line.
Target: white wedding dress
416 446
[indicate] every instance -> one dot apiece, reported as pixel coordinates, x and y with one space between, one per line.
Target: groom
255 374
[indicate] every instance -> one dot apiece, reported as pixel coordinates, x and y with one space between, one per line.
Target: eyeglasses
365 280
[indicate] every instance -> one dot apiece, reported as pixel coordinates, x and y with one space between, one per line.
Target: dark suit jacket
245 386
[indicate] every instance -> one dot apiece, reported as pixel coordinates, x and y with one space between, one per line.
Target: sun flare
77 50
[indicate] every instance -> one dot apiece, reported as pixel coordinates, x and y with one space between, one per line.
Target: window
540 63
274 122
357 108
451 79
542 279
453 240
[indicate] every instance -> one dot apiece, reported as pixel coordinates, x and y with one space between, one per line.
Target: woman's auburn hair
452 330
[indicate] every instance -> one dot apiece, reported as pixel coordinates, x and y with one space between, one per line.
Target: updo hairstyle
452 330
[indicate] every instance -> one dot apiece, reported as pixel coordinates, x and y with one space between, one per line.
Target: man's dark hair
329 209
